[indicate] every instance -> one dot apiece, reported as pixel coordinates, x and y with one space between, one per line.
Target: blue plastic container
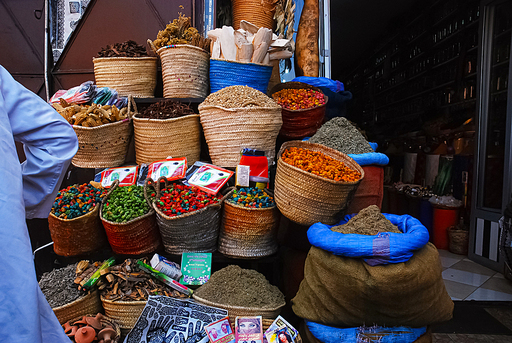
225 73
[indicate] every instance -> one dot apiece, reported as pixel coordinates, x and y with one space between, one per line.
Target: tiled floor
468 280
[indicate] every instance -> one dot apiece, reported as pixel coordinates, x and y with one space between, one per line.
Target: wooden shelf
500 64
502 33
445 62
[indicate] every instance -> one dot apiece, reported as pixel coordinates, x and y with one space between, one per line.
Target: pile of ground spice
58 286
338 133
165 109
129 48
368 221
240 287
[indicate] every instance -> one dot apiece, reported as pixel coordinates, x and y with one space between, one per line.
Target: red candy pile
180 199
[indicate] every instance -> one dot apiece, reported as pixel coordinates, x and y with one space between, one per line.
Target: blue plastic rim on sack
383 248
398 334
225 73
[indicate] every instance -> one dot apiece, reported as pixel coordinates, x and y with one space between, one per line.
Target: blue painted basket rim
244 63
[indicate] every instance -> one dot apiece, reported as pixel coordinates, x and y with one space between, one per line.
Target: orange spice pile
319 164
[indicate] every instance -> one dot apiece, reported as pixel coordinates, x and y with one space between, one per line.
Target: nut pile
238 97
251 197
125 204
180 31
76 200
339 134
299 99
127 49
90 115
165 109
180 199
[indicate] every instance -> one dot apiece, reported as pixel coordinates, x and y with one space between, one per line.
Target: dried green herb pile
58 286
339 134
368 221
240 287
129 48
166 109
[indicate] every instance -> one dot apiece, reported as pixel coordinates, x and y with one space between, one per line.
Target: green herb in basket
125 204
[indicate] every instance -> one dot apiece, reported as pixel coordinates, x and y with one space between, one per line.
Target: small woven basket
81 235
125 313
248 232
156 139
80 307
306 198
298 124
458 241
228 130
135 237
195 231
184 71
257 12
134 76
105 321
104 146
224 73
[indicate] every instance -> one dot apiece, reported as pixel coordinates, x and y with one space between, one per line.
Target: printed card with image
220 331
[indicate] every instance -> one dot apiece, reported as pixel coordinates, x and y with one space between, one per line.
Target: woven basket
459 240
228 130
184 71
125 313
134 76
105 321
135 237
104 146
81 235
224 73
257 12
300 123
195 231
306 198
156 139
248 232
80 307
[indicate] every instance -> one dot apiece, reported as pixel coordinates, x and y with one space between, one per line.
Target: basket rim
174 46
239 62
74 302
320 147
130 302
202 107
100 59
188 116
211 303
80 217
80 127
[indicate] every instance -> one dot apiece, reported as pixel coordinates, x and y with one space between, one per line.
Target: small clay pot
95 323
85 334
81 322
73 331
107 335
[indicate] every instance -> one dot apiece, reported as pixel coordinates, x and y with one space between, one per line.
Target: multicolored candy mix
180 199
251 197
76 200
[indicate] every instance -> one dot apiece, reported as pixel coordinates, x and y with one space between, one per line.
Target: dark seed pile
58 286
129 48
240 287
368 221
339 134
166 109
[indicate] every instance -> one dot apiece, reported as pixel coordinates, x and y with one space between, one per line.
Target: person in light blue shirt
27 191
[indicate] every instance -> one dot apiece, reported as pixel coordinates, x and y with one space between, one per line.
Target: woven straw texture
228 130
300 123
248 232
105 321
135 237
184 71
258 12
80 307
224 73
459 240
125 313
82 235
195 231
306 198
156 139
134 76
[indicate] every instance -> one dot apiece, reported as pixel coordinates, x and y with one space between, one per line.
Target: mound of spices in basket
238 97
58 286
125 204
129 48
299 99
251 197
166 109
235 286
368 221
339 134
76 200
319 164
180 199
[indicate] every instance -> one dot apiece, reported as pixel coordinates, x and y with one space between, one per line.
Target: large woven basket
135 237
105 321
306 198
224 73
458 241
257 12
184 71
156 139
81 235
134 76
80 307
248 232
103 146
300 123
195 231
125 313
228 130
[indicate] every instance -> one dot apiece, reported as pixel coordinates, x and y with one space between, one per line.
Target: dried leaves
181 32
90 115
166 109
127 49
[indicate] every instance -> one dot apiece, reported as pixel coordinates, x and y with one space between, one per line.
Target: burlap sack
345 292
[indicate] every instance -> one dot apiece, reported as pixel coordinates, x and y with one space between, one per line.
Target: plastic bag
321 82
445 201
78 95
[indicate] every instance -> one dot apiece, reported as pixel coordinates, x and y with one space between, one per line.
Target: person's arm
49 144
